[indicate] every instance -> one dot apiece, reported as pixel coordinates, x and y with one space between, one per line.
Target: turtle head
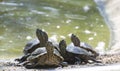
42 37
39 34
62 46
75 40
45 37
49 47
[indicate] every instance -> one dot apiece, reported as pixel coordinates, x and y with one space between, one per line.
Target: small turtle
45 56
34 44
74 54
75 40
69 52
65 54
81 55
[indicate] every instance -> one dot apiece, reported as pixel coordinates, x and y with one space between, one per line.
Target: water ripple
51 9
38 12
12 4
79 17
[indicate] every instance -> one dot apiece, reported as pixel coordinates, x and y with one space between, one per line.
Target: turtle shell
34 44
38 51
76 50
42 38
86 45
42 51
41 56
31 46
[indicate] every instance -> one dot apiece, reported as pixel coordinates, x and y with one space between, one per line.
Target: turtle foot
29 66
63 64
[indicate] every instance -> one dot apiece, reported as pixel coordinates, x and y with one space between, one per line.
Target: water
59 18
102 9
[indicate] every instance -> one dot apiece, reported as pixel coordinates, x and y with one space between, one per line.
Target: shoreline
90 67
108 61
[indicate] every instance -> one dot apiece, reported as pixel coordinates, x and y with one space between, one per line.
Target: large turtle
34 44
45 56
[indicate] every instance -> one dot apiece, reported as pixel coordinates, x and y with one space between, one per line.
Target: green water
20 18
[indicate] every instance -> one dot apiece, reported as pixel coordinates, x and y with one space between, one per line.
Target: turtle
75 40
74 54
80 54
46 56
34 44
70 59
69 52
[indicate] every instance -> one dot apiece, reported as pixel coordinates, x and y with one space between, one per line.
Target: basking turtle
69 52
45 56
74 54
80 54
70 59
34 44
75 40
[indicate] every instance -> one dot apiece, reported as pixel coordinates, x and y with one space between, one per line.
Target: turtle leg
20 60
23 63
94 60
88 49
78 60
23 58
84 59
30 65
63 64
